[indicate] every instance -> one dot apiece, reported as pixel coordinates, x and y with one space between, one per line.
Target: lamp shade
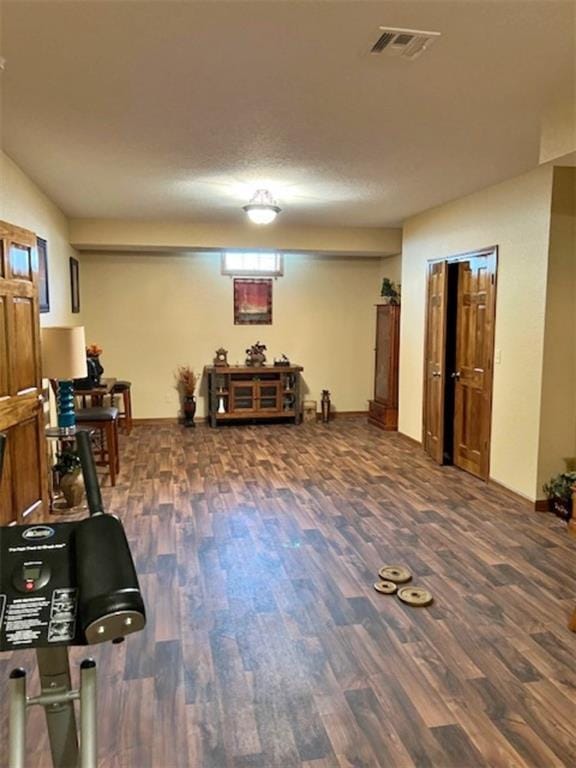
64 353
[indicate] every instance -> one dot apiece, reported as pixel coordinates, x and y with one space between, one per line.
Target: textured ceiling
181 109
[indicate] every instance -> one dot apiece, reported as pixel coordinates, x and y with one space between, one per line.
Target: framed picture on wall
75 284
252 302
43 291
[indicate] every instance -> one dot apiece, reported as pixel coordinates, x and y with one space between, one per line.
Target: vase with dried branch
186 382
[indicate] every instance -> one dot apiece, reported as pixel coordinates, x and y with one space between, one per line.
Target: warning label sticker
62 616
24 622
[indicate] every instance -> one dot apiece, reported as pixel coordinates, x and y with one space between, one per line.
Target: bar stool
125 415
105 420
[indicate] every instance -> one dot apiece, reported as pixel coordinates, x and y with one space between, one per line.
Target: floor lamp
64 359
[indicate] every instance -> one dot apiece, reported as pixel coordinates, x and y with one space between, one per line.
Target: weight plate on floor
396 573
415 596
385 587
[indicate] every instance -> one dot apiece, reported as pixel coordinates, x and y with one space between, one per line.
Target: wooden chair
125 415
105 422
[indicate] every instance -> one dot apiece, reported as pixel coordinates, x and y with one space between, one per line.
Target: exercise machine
62 585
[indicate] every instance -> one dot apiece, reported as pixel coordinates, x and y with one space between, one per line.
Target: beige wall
153 312
558 415
558 130
514 215
391 267
24 204
118 235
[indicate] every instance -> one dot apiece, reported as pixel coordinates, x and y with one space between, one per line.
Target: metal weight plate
396 573
415 596
385 587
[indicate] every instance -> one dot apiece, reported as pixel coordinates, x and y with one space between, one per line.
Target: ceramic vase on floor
325 403
189 410
72 487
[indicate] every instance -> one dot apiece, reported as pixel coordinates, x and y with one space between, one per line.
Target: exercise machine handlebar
93 495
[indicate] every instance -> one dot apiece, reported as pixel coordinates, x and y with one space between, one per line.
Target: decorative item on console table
221 357
255 354
186 382
325 404
283 360
95 369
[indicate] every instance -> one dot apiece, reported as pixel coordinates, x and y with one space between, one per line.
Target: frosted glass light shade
63 353
262 209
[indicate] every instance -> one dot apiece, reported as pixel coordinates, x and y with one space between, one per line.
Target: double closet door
459 360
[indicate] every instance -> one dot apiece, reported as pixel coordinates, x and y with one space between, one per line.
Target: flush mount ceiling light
262 208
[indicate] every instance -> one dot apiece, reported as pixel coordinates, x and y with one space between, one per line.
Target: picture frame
252 301
43 285
75 284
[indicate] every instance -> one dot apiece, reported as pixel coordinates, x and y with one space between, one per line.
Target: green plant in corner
390 291
559 491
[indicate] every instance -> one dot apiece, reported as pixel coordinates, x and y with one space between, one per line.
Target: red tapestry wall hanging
252 302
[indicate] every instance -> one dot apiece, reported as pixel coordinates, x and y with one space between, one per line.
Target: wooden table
98 392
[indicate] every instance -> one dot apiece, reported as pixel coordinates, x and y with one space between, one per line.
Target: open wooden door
474 363
434 369
24 487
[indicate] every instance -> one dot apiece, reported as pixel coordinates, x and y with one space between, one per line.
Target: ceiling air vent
409 43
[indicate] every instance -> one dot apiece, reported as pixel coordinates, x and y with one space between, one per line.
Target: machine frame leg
17 726
88 714
60 717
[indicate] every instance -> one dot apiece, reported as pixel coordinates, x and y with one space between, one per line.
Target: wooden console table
253 392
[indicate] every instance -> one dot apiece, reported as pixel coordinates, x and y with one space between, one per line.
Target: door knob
456 375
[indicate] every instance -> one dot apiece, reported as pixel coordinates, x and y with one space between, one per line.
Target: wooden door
434 369
474 363
23 489
387 350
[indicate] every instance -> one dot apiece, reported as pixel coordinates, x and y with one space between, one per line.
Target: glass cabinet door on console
243 396
269 398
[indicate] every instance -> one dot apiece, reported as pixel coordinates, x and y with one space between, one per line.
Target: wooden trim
412 440
542 505
455 257
163 421
514 495
252 369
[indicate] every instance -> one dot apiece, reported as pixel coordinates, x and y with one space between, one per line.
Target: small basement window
252 263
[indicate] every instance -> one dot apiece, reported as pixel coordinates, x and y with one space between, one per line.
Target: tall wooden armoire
383 410
23 486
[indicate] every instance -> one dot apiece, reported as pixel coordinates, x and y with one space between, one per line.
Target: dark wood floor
266 645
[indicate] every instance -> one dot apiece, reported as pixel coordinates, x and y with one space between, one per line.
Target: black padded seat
98 413
121 386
